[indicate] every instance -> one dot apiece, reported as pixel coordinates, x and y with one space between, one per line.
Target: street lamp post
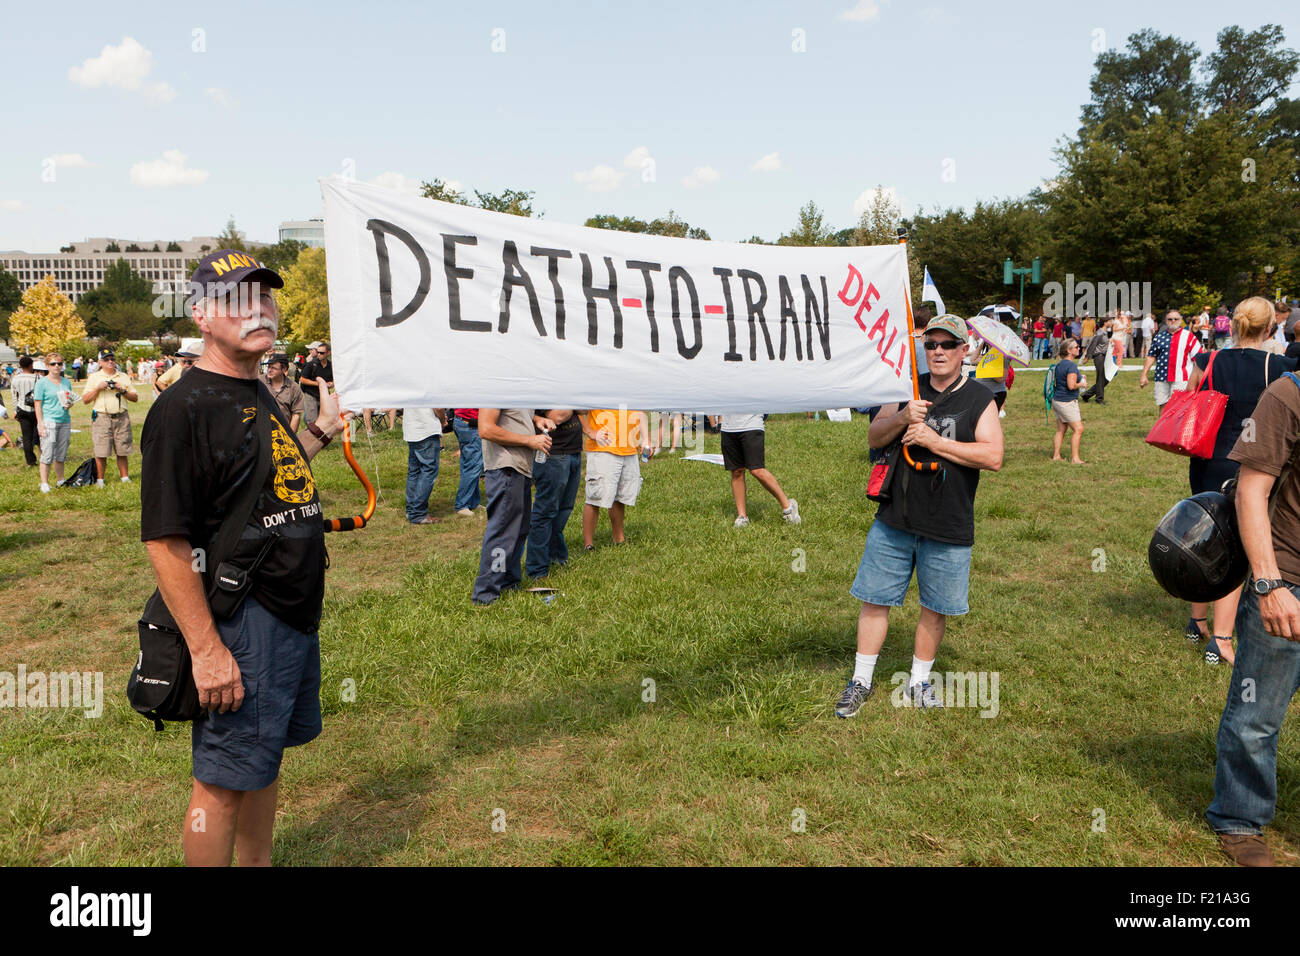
1034 271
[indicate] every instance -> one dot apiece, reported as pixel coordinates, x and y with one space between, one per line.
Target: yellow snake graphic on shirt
293 482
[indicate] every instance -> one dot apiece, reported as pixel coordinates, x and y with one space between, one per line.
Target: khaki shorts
1067 412
111 434
612 478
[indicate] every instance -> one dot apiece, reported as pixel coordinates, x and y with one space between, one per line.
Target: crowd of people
529 464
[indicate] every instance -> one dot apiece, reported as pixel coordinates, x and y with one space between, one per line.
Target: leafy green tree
516 202
112 247
670 225
304 302
134 248
1153 77
281 255
965 249
155 248
122 286
173 246
811 230
11 297
232 238
1249 70
437 189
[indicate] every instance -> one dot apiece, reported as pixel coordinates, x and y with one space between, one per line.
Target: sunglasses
946 344
59 364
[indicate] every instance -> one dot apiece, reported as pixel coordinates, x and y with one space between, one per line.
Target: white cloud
602 179
863 11
12 205
768 164
168 171
126 66
71 161
636 159
700 176
219 96
863 202
403 184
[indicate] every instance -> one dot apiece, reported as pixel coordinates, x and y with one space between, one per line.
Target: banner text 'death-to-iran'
434 304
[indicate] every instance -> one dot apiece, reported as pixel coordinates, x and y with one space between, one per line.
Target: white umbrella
1000 338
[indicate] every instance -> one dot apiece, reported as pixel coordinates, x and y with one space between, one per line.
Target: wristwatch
1262 587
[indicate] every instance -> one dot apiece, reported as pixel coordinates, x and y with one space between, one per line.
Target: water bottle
540 457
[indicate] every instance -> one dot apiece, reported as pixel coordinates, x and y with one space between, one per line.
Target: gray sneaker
923 695
792 513
851 701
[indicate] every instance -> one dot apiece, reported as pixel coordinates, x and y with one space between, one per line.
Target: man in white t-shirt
743 450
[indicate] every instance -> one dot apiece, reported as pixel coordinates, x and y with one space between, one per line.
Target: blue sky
169 132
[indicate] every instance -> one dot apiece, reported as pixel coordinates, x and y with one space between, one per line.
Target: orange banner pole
916 379
356 521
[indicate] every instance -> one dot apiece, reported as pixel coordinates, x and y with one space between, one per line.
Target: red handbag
1190 421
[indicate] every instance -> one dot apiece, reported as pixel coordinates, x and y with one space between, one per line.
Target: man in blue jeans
465 424
1267 669
555 489
422 429
928 523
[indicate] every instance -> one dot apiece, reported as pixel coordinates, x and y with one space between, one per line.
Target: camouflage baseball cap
952 324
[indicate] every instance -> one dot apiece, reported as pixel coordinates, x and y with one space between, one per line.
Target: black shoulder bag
161 686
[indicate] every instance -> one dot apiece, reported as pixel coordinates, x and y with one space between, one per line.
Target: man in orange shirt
612 439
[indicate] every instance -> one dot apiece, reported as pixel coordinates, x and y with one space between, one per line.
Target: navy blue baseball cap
224 269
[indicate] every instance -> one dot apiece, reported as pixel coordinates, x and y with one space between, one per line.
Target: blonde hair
53 355
1251 318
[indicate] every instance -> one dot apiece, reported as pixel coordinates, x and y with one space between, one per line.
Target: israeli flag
930 294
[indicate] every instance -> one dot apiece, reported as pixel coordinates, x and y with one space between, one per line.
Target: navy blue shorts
280 668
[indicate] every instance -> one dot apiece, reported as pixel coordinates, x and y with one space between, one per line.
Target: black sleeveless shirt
940 505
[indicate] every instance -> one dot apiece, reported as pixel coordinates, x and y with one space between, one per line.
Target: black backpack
83 477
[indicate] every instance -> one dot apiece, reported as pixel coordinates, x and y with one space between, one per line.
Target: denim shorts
280 669
942 571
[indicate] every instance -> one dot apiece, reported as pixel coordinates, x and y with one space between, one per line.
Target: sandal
1194 633
1213 653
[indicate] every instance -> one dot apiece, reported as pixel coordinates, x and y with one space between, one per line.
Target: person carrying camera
108 390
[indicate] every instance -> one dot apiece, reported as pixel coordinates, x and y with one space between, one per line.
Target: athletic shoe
45 489
127 479
791 514
923 695
851 701
742 522
465 513
99 483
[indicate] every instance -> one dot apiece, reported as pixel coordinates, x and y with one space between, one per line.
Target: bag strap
1208 381
232 529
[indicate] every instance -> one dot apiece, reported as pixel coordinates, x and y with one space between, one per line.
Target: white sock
920 671
864 665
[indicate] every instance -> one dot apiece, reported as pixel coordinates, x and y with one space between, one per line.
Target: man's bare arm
216 675
1279 610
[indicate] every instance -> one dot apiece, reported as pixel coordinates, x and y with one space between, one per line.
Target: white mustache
249 326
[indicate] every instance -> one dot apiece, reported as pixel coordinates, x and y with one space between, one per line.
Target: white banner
434 304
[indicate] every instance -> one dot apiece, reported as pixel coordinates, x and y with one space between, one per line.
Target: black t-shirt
317 370
567 437
1240 374
198 447
940 505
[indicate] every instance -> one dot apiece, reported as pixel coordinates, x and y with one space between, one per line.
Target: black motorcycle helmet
1196 553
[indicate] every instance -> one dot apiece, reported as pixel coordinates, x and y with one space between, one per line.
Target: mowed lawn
528 733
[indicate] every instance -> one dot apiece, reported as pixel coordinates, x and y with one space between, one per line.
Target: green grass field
534 715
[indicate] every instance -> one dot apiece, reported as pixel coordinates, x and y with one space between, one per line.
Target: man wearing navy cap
257 670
